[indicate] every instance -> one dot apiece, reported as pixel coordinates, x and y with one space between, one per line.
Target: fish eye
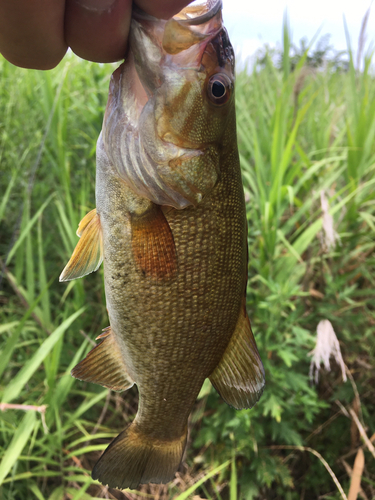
219 88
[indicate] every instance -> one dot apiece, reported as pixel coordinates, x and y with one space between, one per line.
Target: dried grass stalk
362 432
355 483
318 455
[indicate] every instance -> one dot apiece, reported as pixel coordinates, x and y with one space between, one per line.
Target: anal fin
104 365
88 254
239 377
152 243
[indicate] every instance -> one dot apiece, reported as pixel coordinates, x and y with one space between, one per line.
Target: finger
163 9
97 30
32 32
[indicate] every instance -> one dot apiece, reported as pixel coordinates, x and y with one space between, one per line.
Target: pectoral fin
88 254
104 365
239 377
152 242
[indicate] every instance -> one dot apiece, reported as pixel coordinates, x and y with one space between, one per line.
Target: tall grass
300 133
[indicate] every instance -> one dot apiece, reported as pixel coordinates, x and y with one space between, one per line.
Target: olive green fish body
183 325
170 226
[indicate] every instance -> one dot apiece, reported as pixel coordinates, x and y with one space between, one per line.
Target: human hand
37 33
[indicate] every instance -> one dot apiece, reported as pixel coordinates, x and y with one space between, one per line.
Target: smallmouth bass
170 226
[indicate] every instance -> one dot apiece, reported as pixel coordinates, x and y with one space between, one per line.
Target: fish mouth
199 12
183 38
196 13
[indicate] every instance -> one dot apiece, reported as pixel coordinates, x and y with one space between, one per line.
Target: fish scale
170 226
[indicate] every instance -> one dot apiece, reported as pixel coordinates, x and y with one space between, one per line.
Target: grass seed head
327 345
329 237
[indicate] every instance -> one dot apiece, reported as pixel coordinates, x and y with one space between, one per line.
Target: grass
300 133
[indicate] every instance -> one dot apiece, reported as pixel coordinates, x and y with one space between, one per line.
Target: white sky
251 23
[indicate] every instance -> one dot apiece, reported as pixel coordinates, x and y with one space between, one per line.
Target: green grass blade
62 388
42 277
233 481
6 195
86 405
286 46
185 495
17 444
34 489
8 326
30 277
14 388
13 339
27 229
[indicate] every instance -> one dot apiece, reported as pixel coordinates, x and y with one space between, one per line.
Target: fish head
181 72
188 65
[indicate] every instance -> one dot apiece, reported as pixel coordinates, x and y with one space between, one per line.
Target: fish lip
216 5
213 9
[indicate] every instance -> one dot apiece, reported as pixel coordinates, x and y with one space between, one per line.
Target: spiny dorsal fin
239 377
105 332
104 365
88 254
153 245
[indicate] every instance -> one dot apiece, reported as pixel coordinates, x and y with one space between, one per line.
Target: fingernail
96 5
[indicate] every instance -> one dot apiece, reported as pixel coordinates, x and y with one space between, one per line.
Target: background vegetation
305 130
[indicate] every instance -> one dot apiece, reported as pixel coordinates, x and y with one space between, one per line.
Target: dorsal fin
104 365
239 377
88 254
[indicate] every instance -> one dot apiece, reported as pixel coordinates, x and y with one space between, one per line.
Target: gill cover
169 105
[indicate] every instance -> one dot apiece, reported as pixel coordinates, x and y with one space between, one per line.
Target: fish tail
134 458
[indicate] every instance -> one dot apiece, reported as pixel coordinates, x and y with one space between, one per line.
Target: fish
170 228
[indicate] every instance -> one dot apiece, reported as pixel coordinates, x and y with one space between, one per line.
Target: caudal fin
134 458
